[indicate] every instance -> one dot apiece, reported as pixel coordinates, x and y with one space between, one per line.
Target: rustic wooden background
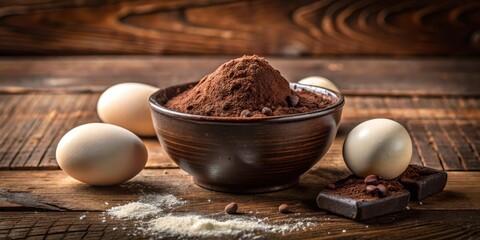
266 27
41 98
437 98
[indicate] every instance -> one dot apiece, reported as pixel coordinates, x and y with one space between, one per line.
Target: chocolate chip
371 189
190 107
382 190
231 208
371 180
293 100
267 111
245 113
331 186
283 208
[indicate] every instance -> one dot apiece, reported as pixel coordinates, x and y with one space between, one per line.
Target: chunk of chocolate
371 180
353 201
293 100
382 190
245 113
423 182
267 111
371 189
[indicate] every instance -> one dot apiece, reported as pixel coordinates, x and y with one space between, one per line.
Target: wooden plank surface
33 124
50 188
405 225
289 28
26 217
354 76
439 106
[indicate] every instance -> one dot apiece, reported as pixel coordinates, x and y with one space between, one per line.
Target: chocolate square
362 210
350 198
423 182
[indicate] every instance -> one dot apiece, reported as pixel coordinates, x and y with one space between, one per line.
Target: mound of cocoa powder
246 87
355 188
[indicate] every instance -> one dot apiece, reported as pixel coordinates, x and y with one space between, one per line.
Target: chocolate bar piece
350 198
358 210
423 182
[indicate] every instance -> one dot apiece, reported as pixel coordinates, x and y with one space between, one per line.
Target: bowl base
245 189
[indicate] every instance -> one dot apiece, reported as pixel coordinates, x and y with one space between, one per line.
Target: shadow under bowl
245 155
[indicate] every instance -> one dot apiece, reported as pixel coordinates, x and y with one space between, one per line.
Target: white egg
380 147
101 154
319 82
126 105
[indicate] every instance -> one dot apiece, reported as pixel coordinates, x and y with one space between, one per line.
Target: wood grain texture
405 225
437 100
33 124
453 213
444 137
45 225
354 76
48 190
266 27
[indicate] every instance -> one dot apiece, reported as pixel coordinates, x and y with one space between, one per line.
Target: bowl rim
156 106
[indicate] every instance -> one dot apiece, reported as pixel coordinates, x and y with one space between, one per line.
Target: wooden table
436 99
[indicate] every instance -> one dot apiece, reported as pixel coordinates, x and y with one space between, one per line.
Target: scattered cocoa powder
355 187
416 172
243 87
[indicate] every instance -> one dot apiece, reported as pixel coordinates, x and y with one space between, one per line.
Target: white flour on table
153 214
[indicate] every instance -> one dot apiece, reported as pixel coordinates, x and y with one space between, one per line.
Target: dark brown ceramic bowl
245 155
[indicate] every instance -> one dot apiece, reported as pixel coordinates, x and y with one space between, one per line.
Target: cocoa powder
243 87
417 172
355 188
